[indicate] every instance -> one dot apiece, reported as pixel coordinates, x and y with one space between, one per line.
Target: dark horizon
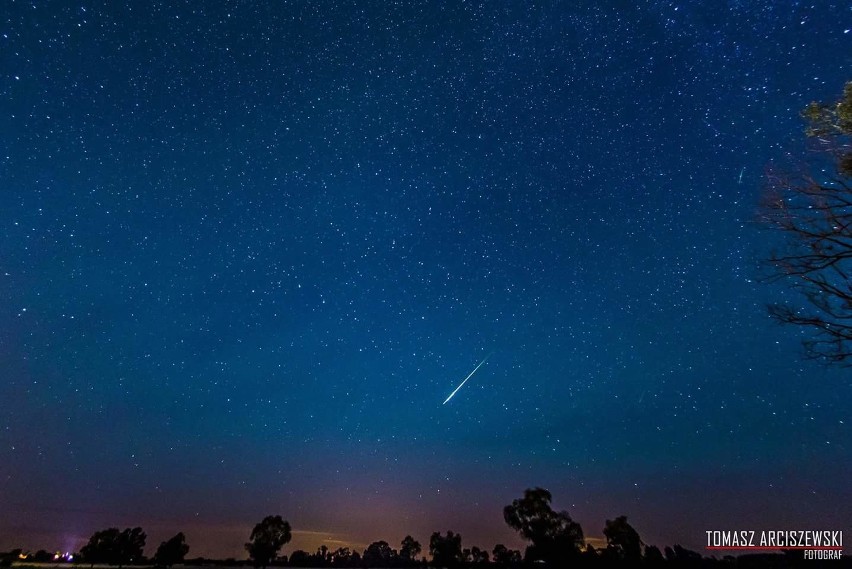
230 540
620 543
247 251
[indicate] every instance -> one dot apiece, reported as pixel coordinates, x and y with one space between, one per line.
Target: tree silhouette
409 549
266 539
341 557
653 555
623 539
379 554
478 556
7 558
171 551
114 547
814 216
300 558
555 537
446 551
505 556
42 556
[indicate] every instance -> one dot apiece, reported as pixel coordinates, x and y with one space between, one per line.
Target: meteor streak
465 379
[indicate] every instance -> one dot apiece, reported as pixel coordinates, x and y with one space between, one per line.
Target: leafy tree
623 539
504 556
7 558
323 554
825 120
555 537
171 551
409 549
341 557
446 551
478 556
300 558
653 555
379 554
102 547
114 547
590 554
266 539
132 545
814 216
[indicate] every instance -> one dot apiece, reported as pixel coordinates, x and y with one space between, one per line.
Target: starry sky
248 248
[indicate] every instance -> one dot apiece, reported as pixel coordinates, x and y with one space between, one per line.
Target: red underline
778 547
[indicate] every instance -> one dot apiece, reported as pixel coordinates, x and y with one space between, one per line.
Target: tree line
553 539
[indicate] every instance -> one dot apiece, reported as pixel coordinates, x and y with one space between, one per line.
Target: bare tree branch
814 214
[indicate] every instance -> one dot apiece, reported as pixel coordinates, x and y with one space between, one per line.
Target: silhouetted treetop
446 551
266 539
409 548
505 556
555 537
379 554
115 547
623 539
171 551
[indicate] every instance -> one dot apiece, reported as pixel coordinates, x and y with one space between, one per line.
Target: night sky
247 249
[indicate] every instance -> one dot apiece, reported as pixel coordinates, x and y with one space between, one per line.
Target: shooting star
465 379
740 181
